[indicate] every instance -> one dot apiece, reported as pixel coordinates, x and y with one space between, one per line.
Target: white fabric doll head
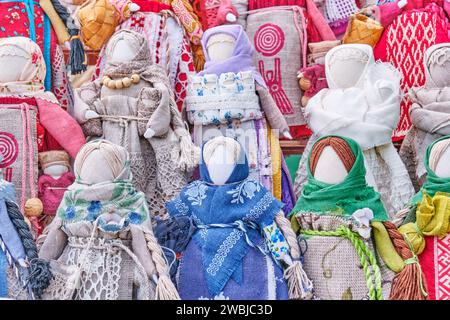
440 158
437 66
220 46
221 155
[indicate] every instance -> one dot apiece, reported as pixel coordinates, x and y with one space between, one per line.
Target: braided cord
366 257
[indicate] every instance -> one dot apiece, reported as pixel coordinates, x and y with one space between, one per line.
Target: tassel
40 275
408 284
300 287
165 289
77 55
189 152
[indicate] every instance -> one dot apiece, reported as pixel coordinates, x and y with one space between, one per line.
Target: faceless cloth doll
350 252
362 103
22 274
31 118
101 244
427 227
430 112
230 98
231 211
132 106
53 182
168 45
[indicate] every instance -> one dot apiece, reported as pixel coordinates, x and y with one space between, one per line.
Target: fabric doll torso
333 263
117 103
263 279
51 191
110 272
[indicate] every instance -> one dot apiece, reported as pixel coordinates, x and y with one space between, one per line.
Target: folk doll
362 105
132 106
27 19
350 251
230 98
229 210
53 182
168 45
429 113
22 274
101 244
31 118
403 44
427 226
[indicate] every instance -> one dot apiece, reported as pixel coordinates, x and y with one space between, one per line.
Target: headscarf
33 73
432 202
343 198
241 59
433 183
87 202
430 111
242 205
359 112
139 64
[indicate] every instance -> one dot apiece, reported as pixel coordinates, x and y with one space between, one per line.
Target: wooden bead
105 80
33 207
135 78
305 84
126 82
119 84
111 84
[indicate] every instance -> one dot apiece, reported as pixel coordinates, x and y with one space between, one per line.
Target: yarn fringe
300 287
189 152
165 289
409 283
40 275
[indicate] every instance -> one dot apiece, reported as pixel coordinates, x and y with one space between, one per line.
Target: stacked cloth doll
430 111
427 227
230 98
362 103
242 241
101 244
22 274
352 251
132 106
31 118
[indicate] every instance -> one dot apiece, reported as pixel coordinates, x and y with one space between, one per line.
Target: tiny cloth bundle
427 227
362 102
429 113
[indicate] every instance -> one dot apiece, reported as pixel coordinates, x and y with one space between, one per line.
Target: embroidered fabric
214 100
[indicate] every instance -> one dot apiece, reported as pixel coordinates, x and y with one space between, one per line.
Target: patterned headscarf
33 71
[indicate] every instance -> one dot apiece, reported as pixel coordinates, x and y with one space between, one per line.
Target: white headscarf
367 112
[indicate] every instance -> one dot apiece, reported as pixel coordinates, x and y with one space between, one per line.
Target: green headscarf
343 198
433 183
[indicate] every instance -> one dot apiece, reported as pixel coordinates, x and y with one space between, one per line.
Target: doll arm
56 21
300 286
85 99
276 242
159 121
273 114
61 126
54 242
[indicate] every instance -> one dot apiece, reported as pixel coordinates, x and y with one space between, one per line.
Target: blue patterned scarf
229 219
